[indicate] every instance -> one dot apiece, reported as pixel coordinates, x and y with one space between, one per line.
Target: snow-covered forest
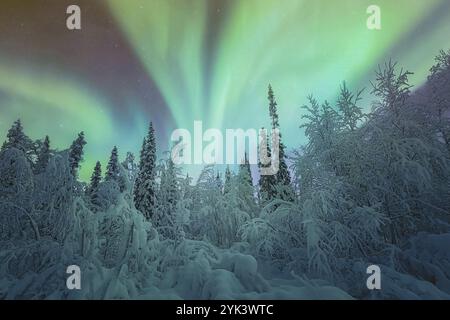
367 188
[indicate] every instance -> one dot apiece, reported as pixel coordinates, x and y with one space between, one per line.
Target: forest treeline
358 191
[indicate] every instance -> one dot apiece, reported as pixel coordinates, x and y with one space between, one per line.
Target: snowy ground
421 272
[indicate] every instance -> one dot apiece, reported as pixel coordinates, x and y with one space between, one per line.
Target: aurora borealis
176 61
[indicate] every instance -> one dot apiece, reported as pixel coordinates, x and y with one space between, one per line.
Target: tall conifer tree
43 156
112 169
16 138
76 153
145 185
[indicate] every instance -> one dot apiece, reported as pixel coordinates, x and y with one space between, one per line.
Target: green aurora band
221 77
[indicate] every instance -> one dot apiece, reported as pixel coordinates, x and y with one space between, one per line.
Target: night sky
176 61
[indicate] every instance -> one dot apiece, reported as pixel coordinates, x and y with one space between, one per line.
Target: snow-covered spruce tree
43 157
283 184
266 183
94 184
96 177
16 138
115 171
145 185
112 169
76 153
